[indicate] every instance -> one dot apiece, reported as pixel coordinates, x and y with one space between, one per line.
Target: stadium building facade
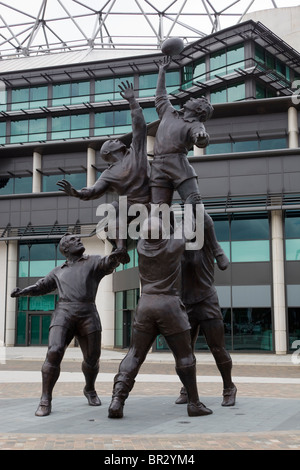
56 112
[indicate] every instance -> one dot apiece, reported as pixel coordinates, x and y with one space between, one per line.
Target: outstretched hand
165 63
16 292
66 187
127 91
119 256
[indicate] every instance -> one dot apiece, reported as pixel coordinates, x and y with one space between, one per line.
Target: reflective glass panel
80 125
252 329
23 185
2 132
37 130
250 251
292 249
61 94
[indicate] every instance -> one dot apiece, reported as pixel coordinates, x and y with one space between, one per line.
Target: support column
280 326
293 130
198 152
37 176
107 302
91 171
12 264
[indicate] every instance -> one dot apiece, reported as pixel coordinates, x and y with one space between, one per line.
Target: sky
76 21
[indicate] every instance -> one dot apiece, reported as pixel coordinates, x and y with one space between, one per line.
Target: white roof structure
39 27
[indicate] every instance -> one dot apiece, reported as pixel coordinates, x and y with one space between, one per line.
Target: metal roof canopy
42 26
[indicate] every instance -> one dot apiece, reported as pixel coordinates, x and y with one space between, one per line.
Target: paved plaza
266 415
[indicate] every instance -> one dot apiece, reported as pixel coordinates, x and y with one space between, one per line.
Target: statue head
200 107
111 150
71 245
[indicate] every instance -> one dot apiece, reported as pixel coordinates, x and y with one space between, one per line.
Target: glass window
71 93
60 127
2 132
122 121
147 84
23 185
80 92
236 92
44 303
80 125
37 130
108 89
38 96
245 146
247 227
150 115
235 58
252 329
19 131
218 96
218 63
28 131
49 182
104 123
21 328
199 71
270 144
250 251
292 236
19 98
61 94
223 147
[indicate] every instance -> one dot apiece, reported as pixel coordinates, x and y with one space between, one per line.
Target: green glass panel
218 63
23 252
119 328
104 123
77 180
38 96
150 115
23 268
223 147
123 121
235 58
41 268
269 144
80 125
104 90
292 224
260 92
80 92
199 71
247 228
35 330
61 94
37 129
61 127
245 146
46 319
147 84
226 248
43 303
19 131
42 251
119 300
2 132
49 182
292 249
23 185
221 229
21 329
23 304
236 93
8 188
219 96
19 98
250 251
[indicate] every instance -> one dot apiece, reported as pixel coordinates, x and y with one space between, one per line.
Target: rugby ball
172 46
